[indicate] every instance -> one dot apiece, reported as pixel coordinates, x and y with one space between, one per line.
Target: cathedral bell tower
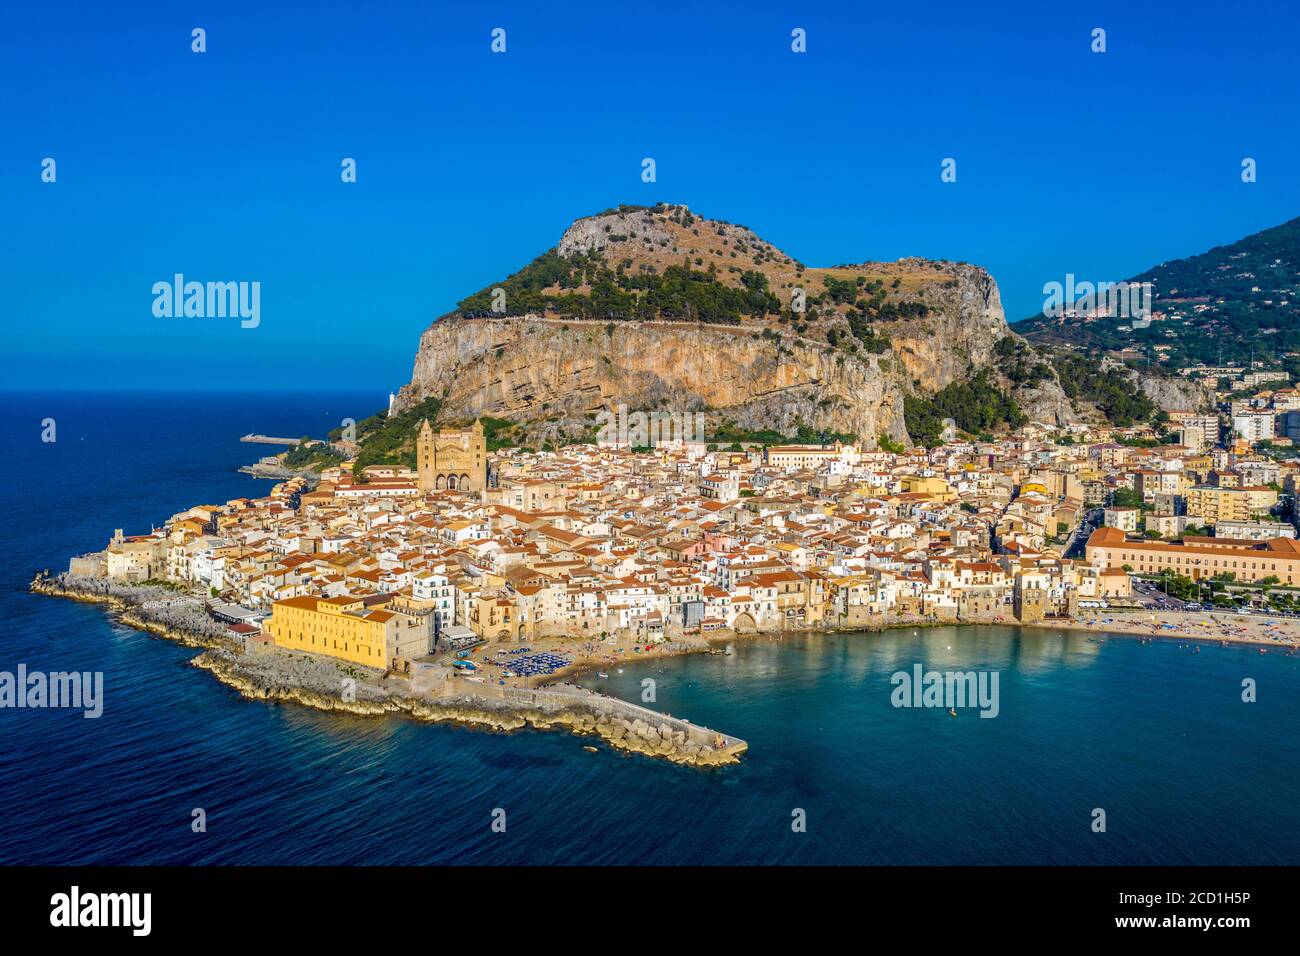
425 458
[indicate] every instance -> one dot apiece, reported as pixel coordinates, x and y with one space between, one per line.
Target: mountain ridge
1233 303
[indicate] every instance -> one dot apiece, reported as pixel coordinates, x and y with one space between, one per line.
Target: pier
272 440
633 726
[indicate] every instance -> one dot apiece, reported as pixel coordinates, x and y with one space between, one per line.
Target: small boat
952 711
620 670
589 749
602 675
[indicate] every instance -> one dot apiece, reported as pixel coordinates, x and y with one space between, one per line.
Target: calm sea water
1155 735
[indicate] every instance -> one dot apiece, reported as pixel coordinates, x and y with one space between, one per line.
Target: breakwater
329 685
623 726
273 440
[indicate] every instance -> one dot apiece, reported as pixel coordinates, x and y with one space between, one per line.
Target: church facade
451 460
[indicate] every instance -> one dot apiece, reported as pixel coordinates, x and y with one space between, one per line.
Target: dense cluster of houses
602 541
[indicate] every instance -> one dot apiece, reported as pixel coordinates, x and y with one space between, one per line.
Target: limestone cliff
660 309
558 374
1172 393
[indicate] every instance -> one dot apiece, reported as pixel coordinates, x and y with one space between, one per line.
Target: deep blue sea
1153 734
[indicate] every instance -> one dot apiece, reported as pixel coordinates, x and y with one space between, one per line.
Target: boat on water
590 749
602 675
952 711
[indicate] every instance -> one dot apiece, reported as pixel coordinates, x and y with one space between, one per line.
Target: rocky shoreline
338 687
277 472
153 608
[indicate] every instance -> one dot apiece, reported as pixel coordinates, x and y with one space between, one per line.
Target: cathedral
451 460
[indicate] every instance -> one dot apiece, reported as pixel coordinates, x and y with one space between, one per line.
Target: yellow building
346 628
927 485
1229 504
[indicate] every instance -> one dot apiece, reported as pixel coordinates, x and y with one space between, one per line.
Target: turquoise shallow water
1154 734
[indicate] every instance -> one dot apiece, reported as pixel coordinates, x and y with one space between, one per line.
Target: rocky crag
659 309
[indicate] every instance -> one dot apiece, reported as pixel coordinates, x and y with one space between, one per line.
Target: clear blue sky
225 165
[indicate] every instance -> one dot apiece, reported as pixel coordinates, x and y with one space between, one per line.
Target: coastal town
485 573
475 586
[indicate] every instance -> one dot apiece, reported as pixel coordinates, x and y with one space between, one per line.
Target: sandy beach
1220 627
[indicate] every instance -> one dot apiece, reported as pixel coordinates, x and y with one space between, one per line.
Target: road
1075 545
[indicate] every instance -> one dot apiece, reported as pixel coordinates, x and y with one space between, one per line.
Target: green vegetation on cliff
1082 378
311 456
976 406
391 441
584 286
1113 392
1019 363
502 433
